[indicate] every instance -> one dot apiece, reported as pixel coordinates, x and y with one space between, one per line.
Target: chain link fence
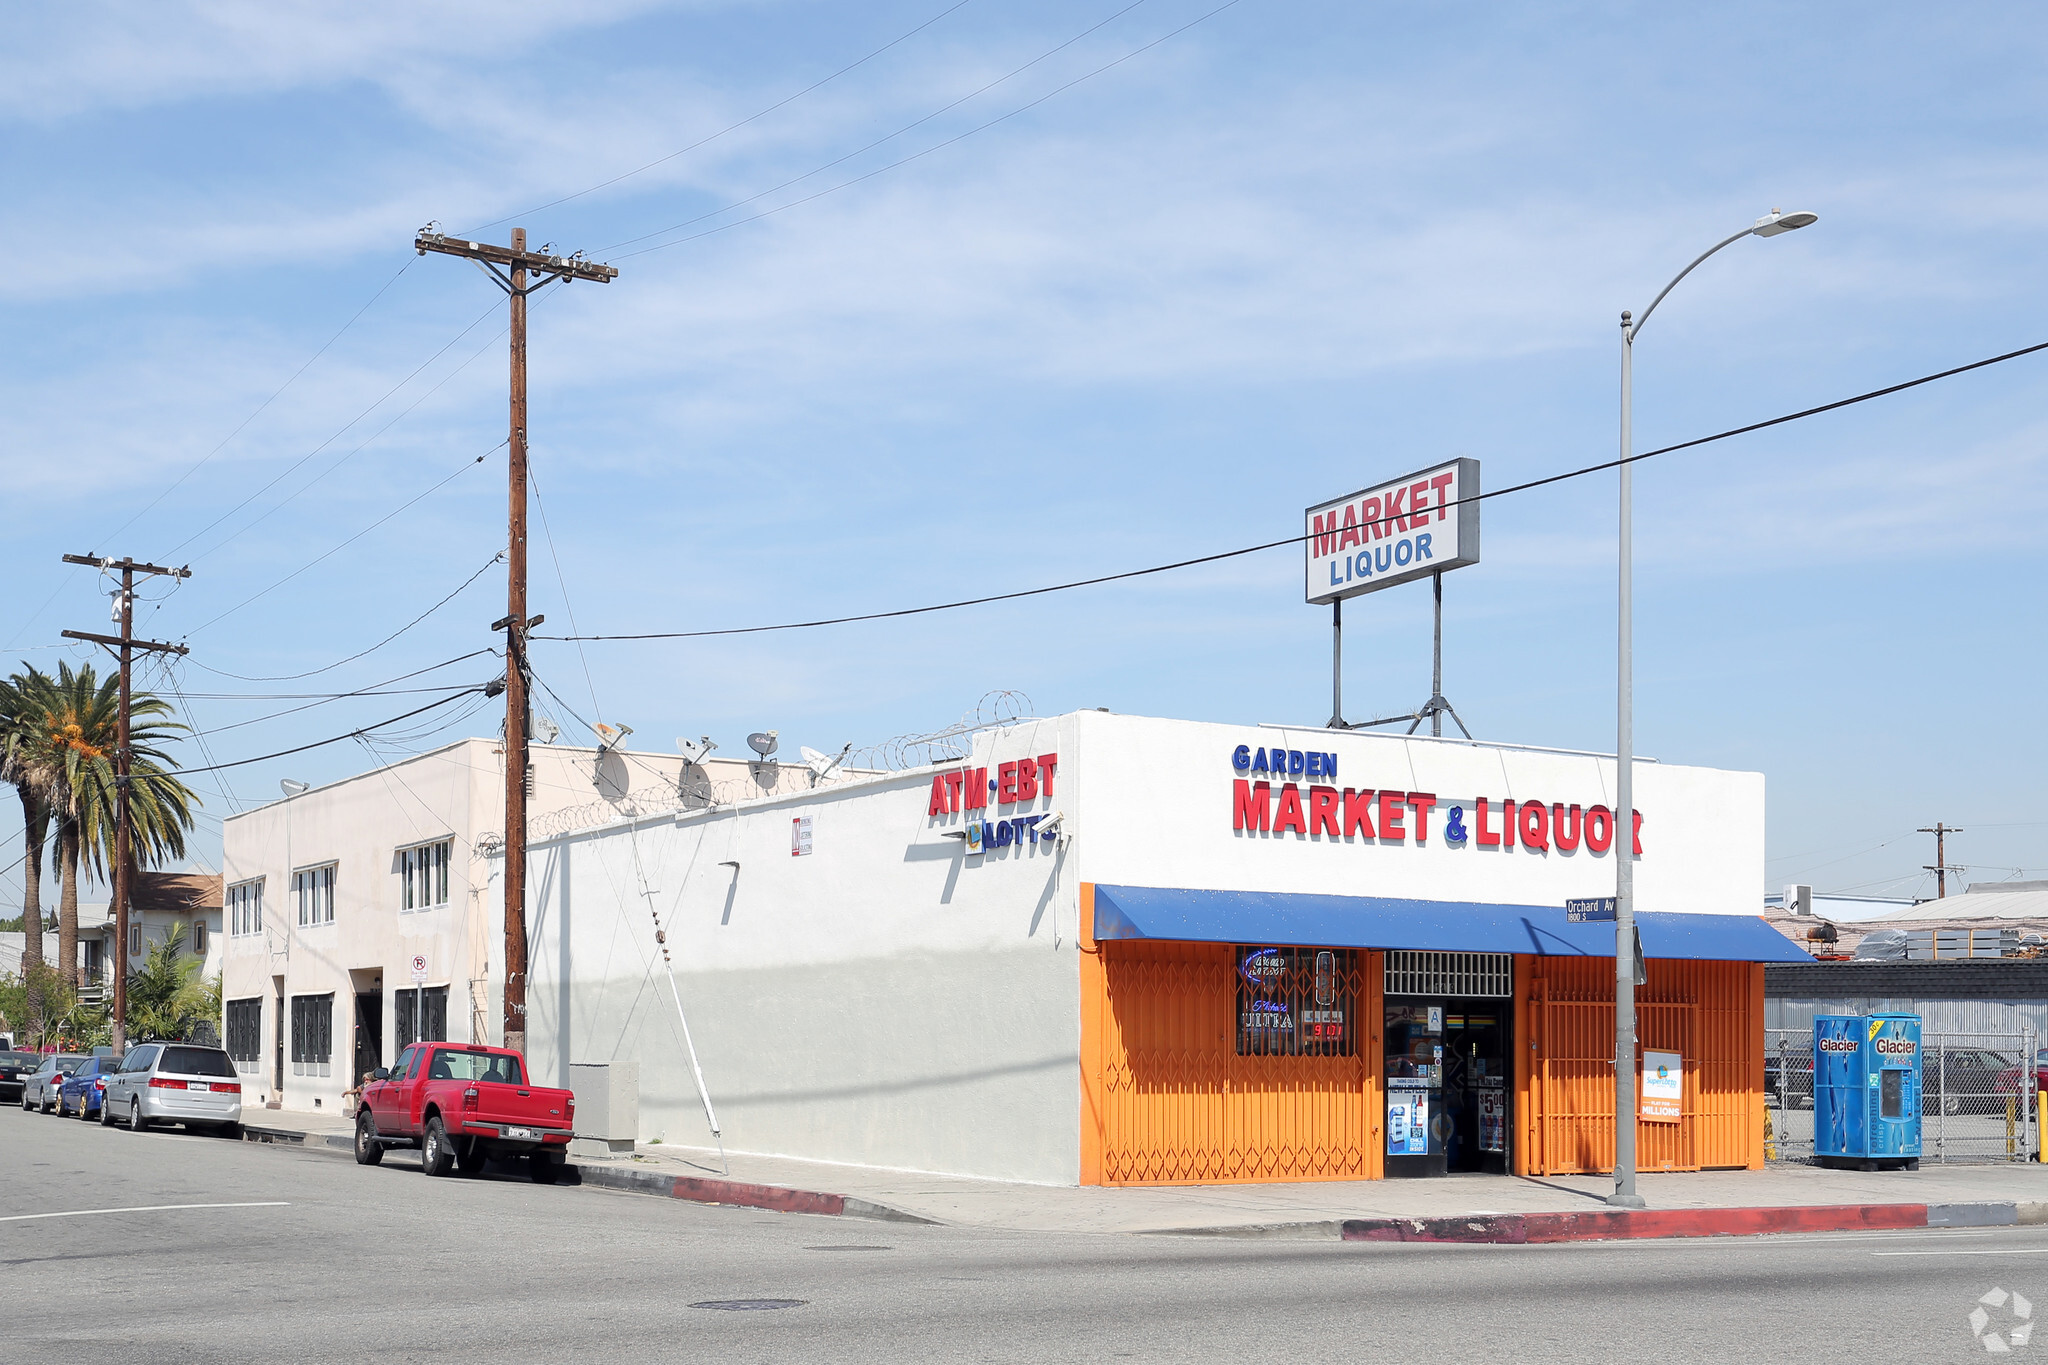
1979 1100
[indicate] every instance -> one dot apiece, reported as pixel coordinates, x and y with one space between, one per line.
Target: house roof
181 893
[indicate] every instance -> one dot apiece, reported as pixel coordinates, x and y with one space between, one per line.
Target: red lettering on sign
1481 835
1046 763
953 783
1439 484
1324 535
1391 815
938 803
1251 804
1390 507
1006 783
1638 840
1357 812
1418 515
976 788
1566 837
1507 823
1421 803
1599 829
1535 825
1322 811
1350 536
1290 815
1027 780
1369 512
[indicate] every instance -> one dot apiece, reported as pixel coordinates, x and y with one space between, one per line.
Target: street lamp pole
1625 1196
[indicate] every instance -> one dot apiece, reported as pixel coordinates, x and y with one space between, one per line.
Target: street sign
419 969
1591 910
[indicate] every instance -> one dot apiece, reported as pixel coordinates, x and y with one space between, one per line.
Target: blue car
85 1088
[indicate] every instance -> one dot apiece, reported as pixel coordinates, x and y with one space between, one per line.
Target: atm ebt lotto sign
1402 530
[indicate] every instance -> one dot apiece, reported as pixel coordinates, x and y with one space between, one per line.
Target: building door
369 1050
1447 1065
277 1082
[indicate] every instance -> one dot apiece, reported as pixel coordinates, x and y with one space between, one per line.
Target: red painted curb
774 1197
1624 1224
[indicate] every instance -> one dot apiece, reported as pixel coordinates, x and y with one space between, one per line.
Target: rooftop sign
1394 533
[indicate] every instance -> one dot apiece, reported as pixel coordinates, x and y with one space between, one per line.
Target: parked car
84 1091
175 1083
15 1067
1962 1080
2010 1080
39 1087
462 1105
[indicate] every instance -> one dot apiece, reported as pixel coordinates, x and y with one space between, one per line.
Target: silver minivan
175 1083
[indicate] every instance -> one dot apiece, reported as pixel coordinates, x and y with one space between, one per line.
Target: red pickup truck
462 1104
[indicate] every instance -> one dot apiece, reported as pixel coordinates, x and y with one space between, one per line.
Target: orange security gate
1711 1013
1184 1084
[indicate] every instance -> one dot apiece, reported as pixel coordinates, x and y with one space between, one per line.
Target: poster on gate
1493 1121
1663 1089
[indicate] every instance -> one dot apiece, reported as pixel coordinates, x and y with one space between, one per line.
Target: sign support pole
1337 665
1625 1195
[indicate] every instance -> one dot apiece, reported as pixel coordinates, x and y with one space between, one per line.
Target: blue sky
1285 253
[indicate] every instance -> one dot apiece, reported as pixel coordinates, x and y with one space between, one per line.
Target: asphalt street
185 1248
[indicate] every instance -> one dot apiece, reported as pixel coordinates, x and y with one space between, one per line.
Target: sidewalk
1485 1208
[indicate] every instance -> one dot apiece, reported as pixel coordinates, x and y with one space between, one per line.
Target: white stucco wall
886 999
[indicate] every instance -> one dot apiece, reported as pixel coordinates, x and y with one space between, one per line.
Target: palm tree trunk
35 821
67 903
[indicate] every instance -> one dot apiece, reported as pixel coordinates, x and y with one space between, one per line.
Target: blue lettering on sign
1241 758
1379 559
1259 763
1454 826
1296 761
1285 762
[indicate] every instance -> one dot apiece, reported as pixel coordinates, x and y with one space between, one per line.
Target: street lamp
1771 224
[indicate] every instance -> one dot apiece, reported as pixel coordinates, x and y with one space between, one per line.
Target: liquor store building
1124 951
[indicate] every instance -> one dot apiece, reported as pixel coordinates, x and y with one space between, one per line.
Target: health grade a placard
1663 1089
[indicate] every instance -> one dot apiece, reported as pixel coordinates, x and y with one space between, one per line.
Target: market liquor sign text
1314 808
1411 528
969 791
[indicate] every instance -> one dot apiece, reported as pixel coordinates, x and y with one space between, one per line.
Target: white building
357 913
1111 949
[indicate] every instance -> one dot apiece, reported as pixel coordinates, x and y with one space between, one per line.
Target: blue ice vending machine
1866 1090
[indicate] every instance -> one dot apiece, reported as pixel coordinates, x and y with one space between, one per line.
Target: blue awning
1132 912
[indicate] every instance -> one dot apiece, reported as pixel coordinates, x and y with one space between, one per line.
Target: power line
729 128
323 743
339 432
1580 472
289 677
459 471
819 170
294 677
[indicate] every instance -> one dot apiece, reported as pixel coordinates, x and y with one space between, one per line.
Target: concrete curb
1631 1224
737 1193
640 1180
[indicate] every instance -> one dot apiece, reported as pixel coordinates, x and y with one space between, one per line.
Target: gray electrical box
607 1107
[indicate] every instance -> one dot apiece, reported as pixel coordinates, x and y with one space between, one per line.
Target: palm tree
79 715
23 764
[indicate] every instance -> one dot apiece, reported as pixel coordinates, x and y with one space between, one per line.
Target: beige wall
360 824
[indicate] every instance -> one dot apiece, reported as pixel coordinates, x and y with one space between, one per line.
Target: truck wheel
470 1158
369 1151
437 1155
543 1170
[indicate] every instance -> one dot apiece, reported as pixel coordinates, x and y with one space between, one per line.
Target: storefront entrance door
1447 1085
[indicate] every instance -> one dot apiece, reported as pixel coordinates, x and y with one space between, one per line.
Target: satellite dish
821 765
545 730
694 750
763 742
611 736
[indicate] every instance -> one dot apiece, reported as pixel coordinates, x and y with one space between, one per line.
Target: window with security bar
1296 1002
1468 975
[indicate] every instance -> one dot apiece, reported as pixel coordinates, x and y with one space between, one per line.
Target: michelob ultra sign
1397 532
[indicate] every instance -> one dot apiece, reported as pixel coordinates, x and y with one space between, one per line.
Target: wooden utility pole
518 272
1940 867
124 759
